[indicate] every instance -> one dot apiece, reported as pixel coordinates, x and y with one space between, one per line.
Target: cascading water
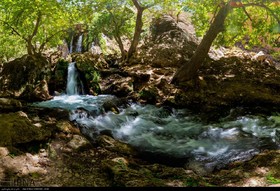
175 133
79 43
74 84
71 46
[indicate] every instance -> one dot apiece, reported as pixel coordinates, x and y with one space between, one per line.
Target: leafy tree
37 23
114 19
125 18
257 19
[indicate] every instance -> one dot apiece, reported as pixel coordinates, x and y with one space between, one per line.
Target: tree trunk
138 29
119 41
30 47
189 70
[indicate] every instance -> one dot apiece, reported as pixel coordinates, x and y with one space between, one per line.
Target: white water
177 134
79 43
72 82
71 46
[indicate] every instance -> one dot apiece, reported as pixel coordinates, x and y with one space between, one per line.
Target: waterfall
71 46
79 43
74 84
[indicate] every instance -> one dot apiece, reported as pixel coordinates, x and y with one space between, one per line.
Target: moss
16 129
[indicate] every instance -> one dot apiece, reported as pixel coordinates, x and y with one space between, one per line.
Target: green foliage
191 182
254 23
272 180
37 23
257 24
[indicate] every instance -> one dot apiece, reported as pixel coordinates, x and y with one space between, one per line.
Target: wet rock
110 106
113 145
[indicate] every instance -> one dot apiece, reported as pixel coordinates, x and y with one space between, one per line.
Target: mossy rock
16 128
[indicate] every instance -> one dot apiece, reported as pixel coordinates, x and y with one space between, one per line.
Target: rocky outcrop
25 78
172 42
232 82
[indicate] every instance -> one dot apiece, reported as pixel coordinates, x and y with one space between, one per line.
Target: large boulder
172 41
25 78
17 128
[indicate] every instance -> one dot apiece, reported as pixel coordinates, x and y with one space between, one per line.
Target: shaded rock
18 129
7 104
117 85
113 145
21 78
58 78
122 175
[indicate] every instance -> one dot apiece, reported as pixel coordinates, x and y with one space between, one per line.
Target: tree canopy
31 26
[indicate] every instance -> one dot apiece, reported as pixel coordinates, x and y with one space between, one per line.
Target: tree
141 7
114 19
189 70
38 23
125 18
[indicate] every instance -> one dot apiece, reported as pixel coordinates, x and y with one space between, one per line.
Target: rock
172 42
58 80
8 104
117 85
67 127
110 106
17 129
260 56
3 152
78 142
113 145
22 77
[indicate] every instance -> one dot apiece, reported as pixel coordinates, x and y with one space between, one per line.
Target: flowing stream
176 133
171 132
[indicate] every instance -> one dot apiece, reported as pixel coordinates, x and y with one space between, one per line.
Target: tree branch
247 14
14 30
265 7
49 38
38 20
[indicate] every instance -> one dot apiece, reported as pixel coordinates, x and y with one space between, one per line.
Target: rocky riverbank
58 155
